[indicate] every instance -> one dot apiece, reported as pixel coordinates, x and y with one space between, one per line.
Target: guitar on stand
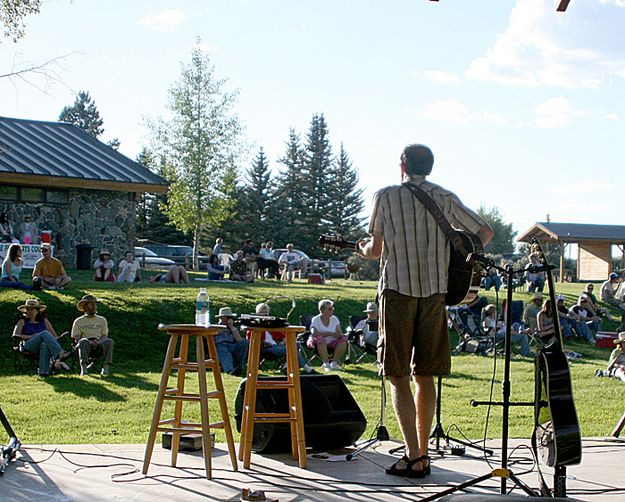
557 433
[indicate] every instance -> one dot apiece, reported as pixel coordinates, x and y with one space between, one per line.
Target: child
616 363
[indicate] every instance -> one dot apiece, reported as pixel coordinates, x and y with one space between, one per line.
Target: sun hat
621 338
261 306
45 245
85 299
538 295
104 251
613 275
226 312
34 303
371 307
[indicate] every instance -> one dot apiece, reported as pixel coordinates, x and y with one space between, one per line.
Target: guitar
557 427
463 277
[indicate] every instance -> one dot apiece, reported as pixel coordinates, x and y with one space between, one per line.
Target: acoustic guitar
464 277
557 427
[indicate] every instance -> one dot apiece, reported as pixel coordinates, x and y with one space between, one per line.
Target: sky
522 105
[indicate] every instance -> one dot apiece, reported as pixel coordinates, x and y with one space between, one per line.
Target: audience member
608 291
290 260
326 334
567 320
531 312
267 265
104 267
535 280
492 279
581 317
49 271
176 274
92 335
217 248
497 329
129 269
544 320
368 327
29 234
12 268
239 271
616 363
6 229
215 270
274 342
231 347
38 336
593 306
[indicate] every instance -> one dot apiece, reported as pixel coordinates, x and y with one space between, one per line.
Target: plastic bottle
202 308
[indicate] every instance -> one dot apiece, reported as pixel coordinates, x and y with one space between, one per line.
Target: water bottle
202 308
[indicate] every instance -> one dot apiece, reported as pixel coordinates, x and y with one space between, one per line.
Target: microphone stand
9 451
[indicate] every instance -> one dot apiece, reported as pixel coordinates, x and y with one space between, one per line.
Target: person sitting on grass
175 275
38 336
49 271
608 291
531 312
616 363
104 267
231 347
581 318
497 329
239 271
593 305
274 343
11 269
326 334
215 270
129 269
91 332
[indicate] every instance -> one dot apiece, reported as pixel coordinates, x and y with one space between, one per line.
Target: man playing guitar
414 255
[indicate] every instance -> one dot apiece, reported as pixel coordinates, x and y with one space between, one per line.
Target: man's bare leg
425 399
404 406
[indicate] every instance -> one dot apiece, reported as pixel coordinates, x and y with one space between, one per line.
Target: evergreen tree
503 240
254 207
346 202
84 114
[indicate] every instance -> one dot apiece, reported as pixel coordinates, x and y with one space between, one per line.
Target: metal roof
575 232
62 154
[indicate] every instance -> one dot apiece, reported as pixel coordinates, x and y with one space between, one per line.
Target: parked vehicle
336 268
182 255
151 259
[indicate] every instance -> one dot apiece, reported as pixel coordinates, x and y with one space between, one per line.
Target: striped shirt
416 252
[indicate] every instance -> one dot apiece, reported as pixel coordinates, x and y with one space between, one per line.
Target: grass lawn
118 409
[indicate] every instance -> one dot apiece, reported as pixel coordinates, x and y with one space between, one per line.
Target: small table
182 333
295 416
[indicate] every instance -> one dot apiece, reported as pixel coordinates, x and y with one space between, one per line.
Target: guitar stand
503 472
9 451
619 427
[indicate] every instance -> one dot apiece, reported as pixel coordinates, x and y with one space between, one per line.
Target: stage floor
113 472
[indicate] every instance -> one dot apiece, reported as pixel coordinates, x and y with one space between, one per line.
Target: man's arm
372 249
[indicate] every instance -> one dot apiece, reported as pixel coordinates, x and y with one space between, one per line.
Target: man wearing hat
608 291
231 347
616 363
369 326
531 311
49 271
92 335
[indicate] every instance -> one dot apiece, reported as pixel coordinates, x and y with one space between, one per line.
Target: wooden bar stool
295 416
176 425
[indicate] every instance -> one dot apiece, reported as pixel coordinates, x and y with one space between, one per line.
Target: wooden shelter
594 245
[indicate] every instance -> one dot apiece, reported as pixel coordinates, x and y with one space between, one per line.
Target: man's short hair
417 159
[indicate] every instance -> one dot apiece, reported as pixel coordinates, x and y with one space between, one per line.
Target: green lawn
118 409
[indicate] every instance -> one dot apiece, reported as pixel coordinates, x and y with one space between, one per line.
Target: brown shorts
413 335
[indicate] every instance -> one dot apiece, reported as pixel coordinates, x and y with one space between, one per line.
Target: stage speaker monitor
332 418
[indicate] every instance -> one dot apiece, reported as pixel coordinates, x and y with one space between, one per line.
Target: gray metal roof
30 149
575 232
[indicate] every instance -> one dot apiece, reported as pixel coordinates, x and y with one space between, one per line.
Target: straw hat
104 251
85 299
621 338
34 303
261 307
226 312
371 307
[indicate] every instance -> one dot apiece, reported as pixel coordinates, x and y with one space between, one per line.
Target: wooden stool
291 384
182 333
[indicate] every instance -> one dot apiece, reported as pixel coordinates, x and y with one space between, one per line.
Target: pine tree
84 114
255 201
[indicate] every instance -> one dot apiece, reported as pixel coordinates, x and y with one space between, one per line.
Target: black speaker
332 418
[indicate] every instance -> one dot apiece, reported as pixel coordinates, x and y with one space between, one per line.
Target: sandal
60 365
427 470
408 471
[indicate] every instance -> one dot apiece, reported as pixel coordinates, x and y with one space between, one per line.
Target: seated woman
498 329
215 270
274 343
176 274
616 363
326 334
11 269
39 337
104 267
129 269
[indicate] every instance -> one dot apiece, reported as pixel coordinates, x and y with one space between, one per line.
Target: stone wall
99 218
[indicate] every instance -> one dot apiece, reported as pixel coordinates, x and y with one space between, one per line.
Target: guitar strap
430 204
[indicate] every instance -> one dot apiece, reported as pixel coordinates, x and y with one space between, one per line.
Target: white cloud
555 112
541 47
447 110
168 19
442 77
582 187
493 118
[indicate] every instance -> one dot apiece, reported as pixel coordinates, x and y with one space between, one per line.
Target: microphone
475 257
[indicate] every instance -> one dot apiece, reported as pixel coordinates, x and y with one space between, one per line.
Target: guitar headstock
335 242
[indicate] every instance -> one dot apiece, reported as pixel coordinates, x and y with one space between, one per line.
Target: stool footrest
193 366
191 397
214 425
268 416
273 385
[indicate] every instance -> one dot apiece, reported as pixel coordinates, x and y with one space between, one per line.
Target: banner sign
30 253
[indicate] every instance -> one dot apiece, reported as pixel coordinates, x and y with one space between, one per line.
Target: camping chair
357 349
309 354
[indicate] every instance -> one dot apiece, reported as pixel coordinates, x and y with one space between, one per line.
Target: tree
12 14
201 142
84 114
254 209
503 240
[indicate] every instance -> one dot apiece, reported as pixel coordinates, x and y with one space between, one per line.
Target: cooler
605 339
315 279
46 236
